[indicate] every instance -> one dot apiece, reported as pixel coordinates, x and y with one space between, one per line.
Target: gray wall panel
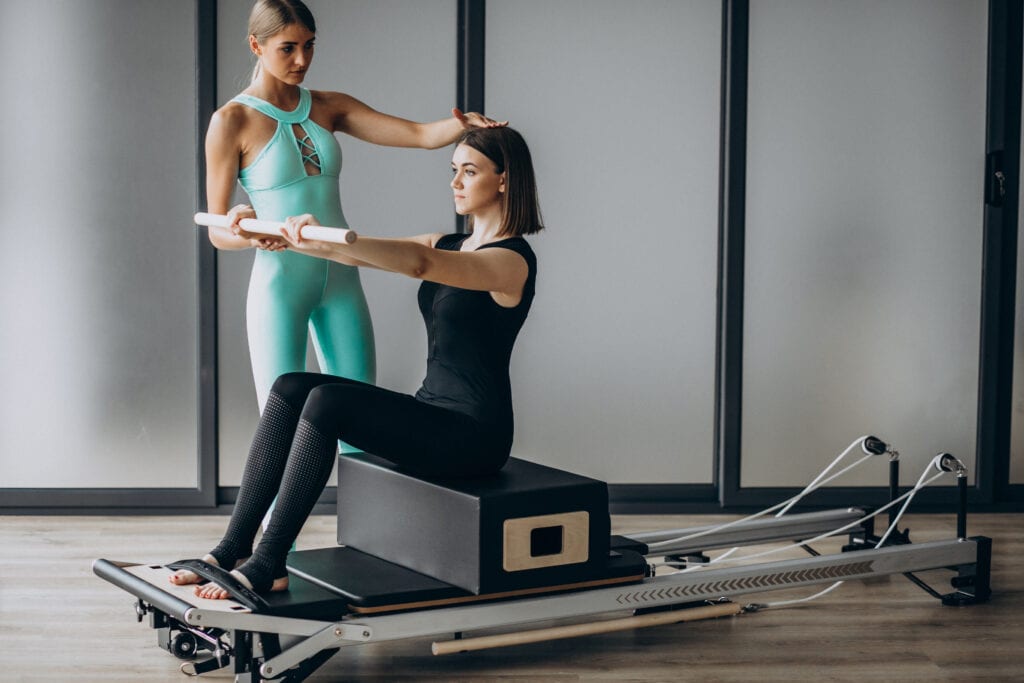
864 231
613 375
98 350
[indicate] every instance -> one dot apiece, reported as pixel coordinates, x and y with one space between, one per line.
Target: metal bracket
333 636
995 179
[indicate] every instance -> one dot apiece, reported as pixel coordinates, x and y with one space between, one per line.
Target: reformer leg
973 581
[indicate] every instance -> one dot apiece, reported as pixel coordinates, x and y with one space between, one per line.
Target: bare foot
212 591
184 577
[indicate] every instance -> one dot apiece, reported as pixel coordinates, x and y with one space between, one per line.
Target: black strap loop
225 580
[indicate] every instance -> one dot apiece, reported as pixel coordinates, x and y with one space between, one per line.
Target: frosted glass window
98 283
1017 418
864 225
398 56
613 375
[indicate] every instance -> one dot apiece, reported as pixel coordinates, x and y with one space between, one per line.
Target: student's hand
292 232
256 240
474 120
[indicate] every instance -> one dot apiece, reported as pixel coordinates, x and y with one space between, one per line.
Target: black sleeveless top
470 339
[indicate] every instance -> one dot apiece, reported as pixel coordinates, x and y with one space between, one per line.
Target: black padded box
526 526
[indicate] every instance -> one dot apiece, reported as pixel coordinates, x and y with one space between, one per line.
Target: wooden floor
59 622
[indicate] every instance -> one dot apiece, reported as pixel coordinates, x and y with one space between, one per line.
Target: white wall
614 372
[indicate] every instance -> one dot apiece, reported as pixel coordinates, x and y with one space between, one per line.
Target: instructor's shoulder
230 119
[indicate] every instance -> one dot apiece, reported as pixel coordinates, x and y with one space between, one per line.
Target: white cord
786 504
814 484
834 532
921 483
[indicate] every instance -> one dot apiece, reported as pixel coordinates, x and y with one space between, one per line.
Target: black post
469 83
961 510
206 104
731 237
894 486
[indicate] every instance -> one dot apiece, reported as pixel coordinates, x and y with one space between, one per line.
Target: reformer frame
289 648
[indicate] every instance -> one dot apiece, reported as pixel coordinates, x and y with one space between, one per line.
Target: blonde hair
270 17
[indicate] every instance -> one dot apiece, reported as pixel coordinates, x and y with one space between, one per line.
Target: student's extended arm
499 271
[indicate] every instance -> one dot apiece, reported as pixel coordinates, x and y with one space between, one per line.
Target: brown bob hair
506 148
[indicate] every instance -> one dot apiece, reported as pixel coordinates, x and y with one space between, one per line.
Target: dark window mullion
732 198
999 252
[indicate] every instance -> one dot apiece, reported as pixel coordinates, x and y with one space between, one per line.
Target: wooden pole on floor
554 633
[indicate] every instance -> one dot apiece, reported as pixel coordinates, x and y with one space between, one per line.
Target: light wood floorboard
58 622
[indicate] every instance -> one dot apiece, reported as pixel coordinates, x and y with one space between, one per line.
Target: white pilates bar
321 233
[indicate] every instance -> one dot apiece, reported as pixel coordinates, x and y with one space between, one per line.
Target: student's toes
183 577
205 591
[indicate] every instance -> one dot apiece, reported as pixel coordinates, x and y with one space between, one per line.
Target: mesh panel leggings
293 452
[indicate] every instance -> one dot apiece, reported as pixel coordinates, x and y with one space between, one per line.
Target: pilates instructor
277 140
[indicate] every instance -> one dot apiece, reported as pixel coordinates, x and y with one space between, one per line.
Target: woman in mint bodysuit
277 140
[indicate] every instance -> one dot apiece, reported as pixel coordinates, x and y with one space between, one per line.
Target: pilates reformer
529 545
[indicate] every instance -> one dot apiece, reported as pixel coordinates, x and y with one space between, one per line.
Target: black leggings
417 436
295 445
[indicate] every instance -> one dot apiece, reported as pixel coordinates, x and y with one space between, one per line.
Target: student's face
477 185
286 55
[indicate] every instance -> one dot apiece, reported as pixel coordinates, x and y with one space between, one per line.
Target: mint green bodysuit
290 293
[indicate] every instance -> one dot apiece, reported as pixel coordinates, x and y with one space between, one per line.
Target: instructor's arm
223 155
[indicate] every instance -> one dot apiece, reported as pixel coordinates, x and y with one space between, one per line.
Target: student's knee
294 387
326 406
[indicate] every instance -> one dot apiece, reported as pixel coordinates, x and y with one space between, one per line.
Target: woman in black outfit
476 292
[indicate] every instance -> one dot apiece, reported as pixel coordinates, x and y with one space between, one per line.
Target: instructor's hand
256 240
474 120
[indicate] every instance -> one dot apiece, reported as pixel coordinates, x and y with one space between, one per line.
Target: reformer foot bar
525 547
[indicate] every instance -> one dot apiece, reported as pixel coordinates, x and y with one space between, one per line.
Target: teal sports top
277 181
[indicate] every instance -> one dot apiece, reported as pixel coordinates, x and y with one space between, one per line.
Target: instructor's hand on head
473 120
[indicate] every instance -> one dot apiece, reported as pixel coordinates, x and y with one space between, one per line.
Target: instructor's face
288 54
